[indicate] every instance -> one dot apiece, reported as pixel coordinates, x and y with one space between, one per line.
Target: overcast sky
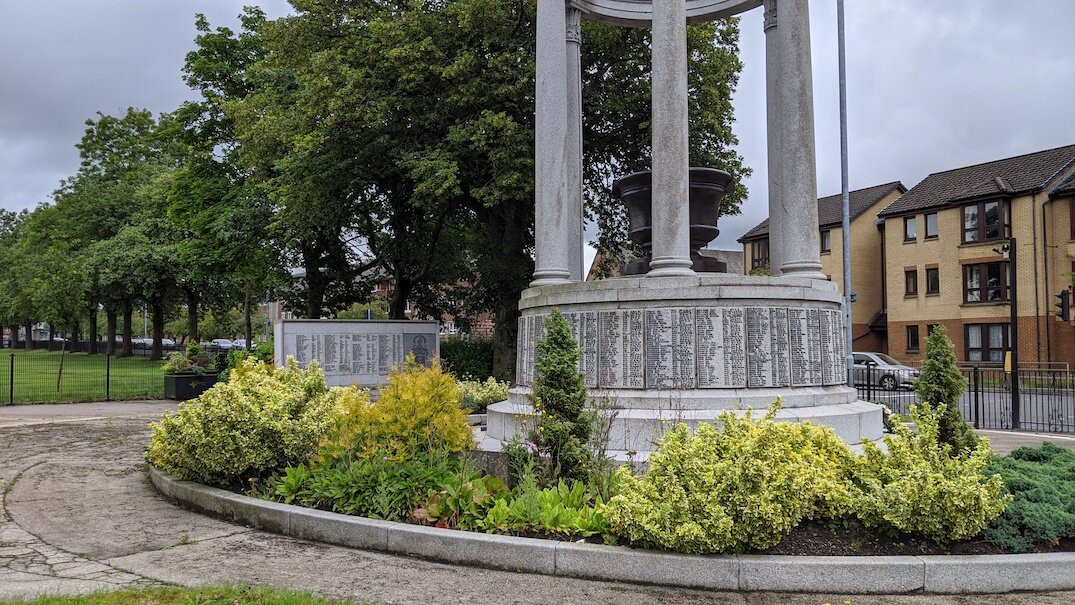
931 85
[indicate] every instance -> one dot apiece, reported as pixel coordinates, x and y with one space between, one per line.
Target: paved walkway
79 514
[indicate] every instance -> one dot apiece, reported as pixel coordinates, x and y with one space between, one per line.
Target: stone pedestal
658 351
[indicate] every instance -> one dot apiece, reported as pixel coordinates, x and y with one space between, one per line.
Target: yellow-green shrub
261 420
920 487
744 486
475 396
417 411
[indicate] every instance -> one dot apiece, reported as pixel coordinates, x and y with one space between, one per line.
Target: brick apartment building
868 270
945 263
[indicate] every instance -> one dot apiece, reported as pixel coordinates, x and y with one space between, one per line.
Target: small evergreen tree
565 426
941 383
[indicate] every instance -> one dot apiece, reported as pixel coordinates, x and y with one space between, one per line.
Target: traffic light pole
1014 336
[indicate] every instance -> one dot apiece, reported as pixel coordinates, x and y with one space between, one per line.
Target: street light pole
1013 337
845 225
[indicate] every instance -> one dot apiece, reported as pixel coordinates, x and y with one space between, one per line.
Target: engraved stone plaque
779 347
355 352
719 347
759 348
588 360
669 348
805 359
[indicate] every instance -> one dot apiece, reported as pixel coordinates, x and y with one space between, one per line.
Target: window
932 227
910 228
985 282
826 241
910 282
933 280
987 342
985 221
912 338
759 253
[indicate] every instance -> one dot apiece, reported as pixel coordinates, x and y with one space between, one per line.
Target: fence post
11 381
977 397
108 377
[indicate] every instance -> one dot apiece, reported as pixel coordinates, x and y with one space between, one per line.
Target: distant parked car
141 343
241 344
221 344
167 342
883 371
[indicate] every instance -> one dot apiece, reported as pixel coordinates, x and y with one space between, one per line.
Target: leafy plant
920 487
745 486
565 509
1041 482
942 384
463 501
470 359
475 396
417 412
262 420
195 360
559 394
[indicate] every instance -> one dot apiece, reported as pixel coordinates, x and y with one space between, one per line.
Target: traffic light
1064 305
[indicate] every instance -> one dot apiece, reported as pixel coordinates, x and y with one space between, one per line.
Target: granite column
573 161
772 111
552 217
793 218
670 210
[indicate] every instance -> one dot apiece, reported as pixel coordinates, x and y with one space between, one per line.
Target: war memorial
676 339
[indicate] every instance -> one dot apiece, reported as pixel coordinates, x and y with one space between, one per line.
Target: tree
942 384
565 426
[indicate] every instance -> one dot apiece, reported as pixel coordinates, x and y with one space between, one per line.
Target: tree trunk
110 330
249 329
74 338
193 299
14 336
92 350
397 304
158 331
29 336
128 320
315 296
505 334
52 334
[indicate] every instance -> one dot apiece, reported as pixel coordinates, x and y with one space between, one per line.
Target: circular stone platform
661 350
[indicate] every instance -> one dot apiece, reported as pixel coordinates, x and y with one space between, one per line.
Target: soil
818 539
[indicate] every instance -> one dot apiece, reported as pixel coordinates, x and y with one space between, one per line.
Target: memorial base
659 351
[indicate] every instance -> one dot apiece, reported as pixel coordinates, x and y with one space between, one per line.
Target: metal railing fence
59 377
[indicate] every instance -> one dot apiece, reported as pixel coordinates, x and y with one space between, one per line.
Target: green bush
744 487
565 426
380 488
941 385
566 509
476 396
1042 484
262 420
468 359
919 487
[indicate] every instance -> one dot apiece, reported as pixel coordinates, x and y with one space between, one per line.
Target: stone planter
182 387
707 187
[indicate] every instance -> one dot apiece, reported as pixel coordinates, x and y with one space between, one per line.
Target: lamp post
845 195
1009 249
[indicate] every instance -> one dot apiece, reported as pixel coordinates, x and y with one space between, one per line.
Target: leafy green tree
941 383
565 426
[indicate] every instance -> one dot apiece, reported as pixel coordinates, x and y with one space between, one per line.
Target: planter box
182 387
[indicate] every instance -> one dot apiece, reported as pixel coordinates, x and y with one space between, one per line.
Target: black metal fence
56 377
1046 397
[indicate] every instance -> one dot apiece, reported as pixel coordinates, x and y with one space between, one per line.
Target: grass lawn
188 596
82 379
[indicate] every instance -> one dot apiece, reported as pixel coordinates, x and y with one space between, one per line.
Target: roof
1067 187
830 209
1010 176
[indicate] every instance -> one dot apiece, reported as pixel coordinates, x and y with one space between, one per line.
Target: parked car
883 371
221 344
241 344
141 343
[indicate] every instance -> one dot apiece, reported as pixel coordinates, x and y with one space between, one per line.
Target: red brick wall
1058 334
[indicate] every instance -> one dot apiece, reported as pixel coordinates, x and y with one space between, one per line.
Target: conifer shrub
417 412
559 394
743 486
1042 511
261 420
942 384
919 487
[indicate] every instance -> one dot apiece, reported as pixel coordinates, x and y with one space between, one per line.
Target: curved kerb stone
833 575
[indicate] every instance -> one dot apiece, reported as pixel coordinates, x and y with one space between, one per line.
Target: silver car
883 371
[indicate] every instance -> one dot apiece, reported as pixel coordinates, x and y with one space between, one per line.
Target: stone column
772 112
670 214
793 220
573 160
551 214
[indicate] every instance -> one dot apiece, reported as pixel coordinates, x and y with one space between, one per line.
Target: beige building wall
1044 243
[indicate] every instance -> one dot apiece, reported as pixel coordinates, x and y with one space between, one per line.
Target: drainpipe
1037 294
1045 257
